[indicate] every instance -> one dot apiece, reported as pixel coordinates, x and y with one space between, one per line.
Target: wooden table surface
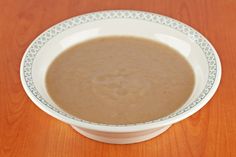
25 130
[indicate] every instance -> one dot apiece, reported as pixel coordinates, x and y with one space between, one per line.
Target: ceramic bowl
186 40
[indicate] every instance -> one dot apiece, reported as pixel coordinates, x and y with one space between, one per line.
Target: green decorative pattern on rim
120 14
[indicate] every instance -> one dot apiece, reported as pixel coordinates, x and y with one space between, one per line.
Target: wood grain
25 130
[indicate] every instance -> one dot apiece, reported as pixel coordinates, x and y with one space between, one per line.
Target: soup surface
120 80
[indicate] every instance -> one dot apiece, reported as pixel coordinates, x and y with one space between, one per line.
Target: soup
120 80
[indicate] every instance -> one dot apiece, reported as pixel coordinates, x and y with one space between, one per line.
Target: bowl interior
175 39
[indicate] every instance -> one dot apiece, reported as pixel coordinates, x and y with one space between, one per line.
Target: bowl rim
214 65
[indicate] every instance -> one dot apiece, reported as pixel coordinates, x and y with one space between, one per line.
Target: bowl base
121 138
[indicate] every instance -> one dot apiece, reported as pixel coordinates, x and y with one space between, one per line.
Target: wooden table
25 130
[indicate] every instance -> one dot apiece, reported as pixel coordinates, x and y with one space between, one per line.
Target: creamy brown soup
120 80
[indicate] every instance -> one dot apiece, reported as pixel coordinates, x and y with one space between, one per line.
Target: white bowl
190 43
